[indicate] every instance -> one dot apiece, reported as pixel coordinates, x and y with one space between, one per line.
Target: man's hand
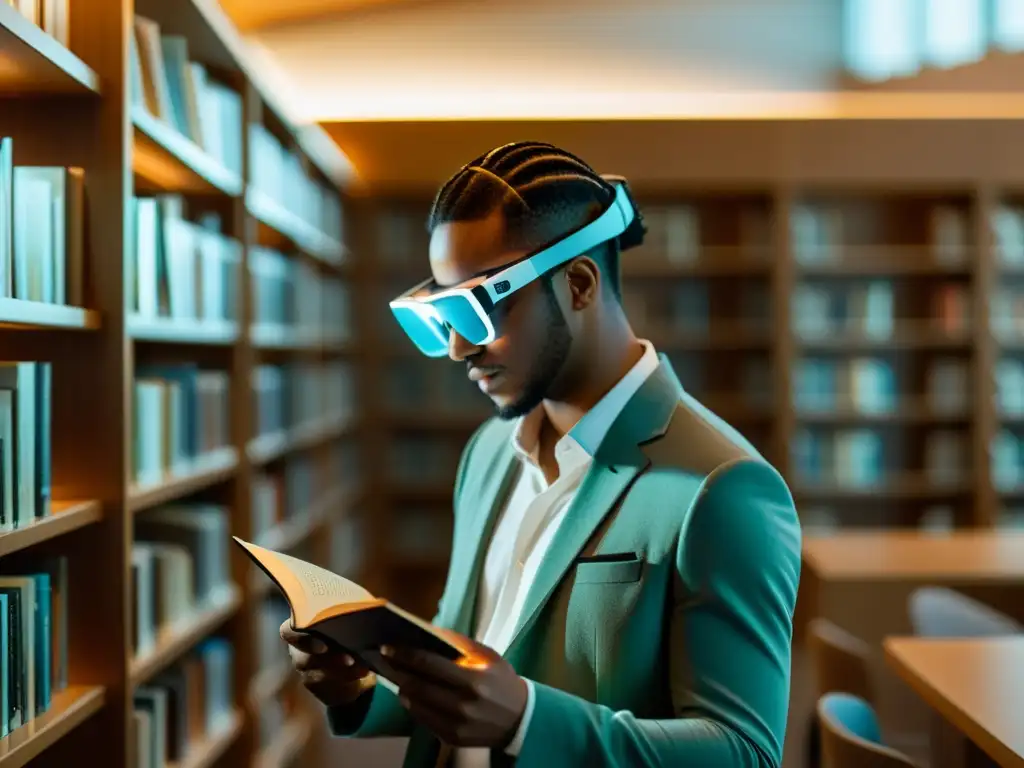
332 677
475 702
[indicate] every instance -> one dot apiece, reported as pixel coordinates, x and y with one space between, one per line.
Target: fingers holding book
332 676
475 701
302 641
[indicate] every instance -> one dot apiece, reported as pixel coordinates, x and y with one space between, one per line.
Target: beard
550 361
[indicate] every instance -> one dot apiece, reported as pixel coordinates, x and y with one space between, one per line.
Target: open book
345 615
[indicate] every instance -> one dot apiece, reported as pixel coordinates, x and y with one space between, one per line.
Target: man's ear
584 280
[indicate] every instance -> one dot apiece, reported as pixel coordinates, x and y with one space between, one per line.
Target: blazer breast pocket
623 568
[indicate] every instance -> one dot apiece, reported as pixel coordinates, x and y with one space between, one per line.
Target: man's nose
459 349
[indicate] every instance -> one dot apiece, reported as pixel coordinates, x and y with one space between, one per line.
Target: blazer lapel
483 500
617 463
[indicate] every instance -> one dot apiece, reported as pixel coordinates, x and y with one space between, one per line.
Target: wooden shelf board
66 516
68 710
207 752
426 493
165 159
208 470
287 744
723 339
728 267
266 336
17 313
923 340
909 489
173 642
268 682
34 62
902 415
305 236
883 268
168 331
439 421
268 448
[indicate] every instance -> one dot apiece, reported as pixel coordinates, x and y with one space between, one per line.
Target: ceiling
258 15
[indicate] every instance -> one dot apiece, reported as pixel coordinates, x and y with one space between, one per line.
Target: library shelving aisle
425 409
1005 315
173 302
882 322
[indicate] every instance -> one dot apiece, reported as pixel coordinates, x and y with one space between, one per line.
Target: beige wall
517 57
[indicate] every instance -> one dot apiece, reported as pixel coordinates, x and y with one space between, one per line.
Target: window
882 38
1008 25
954 32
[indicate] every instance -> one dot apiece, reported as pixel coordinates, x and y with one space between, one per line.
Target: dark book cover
174 683
17 694
43 642
362 633
43 405
4 522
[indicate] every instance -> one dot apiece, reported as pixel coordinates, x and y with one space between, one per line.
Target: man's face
518 370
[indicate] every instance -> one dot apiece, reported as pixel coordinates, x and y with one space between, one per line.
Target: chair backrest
850 736
943 612
840 660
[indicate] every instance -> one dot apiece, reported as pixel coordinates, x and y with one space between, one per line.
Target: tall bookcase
69 104
865 337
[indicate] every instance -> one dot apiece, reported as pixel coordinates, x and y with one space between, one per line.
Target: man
625 565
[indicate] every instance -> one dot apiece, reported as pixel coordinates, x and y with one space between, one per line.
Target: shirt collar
582 441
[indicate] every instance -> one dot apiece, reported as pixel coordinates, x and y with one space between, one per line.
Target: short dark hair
543 192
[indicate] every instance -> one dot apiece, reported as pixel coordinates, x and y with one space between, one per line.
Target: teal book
6 713
13 658
43 640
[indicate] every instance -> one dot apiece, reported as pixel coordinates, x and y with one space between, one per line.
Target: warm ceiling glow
390 105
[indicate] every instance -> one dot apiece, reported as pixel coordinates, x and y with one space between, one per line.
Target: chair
840 663
839 659
850 736
943 612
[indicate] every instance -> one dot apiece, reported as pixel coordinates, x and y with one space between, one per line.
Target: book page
309 589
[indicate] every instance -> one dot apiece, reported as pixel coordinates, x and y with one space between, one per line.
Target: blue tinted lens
429 336
462 317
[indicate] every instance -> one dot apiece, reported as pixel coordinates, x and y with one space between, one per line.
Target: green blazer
678 655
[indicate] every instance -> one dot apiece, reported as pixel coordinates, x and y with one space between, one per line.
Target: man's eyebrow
484 273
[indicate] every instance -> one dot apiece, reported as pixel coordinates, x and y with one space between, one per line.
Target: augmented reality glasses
429 314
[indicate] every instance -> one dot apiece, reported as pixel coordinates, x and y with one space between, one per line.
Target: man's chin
508 408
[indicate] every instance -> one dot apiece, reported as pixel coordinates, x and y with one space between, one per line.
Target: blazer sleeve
377 712
737 567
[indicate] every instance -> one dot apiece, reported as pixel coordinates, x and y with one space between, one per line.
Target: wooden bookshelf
78 108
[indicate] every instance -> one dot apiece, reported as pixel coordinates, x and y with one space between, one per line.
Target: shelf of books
174 312
867 342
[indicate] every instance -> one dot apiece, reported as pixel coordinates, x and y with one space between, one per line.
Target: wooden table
975 686
967 557
862 581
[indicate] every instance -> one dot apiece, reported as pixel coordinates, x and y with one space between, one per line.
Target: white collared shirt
531 516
